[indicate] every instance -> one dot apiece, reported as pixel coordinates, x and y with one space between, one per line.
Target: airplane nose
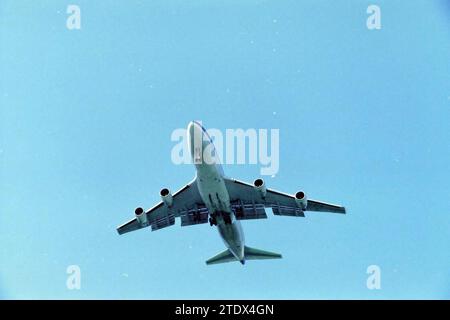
190 127
193 128
194 132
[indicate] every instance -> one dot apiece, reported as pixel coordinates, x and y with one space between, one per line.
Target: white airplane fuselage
213 197
213 191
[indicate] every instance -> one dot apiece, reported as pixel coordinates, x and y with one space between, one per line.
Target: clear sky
85 123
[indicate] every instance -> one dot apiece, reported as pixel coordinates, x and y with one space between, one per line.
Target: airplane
213 197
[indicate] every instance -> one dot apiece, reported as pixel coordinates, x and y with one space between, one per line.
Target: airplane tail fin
249 254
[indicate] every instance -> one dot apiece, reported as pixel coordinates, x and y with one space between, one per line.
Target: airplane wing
244 195
187 205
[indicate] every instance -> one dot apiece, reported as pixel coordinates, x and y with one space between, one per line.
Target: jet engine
166 197
300 199
260 186
141 216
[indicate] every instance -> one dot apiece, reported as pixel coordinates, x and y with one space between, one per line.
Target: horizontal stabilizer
249 253
257 254
225 256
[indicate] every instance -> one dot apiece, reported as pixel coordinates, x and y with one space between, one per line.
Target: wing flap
163 222
196 216
248 211
287 211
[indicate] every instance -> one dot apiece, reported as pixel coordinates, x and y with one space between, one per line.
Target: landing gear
212 221
239 212
227 219
224 215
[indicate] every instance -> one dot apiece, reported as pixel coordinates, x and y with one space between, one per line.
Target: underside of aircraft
223 202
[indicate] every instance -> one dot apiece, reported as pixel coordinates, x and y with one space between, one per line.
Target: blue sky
85 123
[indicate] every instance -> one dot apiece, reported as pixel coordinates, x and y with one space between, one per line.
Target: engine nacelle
260 186
141 216
166 197
300 199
